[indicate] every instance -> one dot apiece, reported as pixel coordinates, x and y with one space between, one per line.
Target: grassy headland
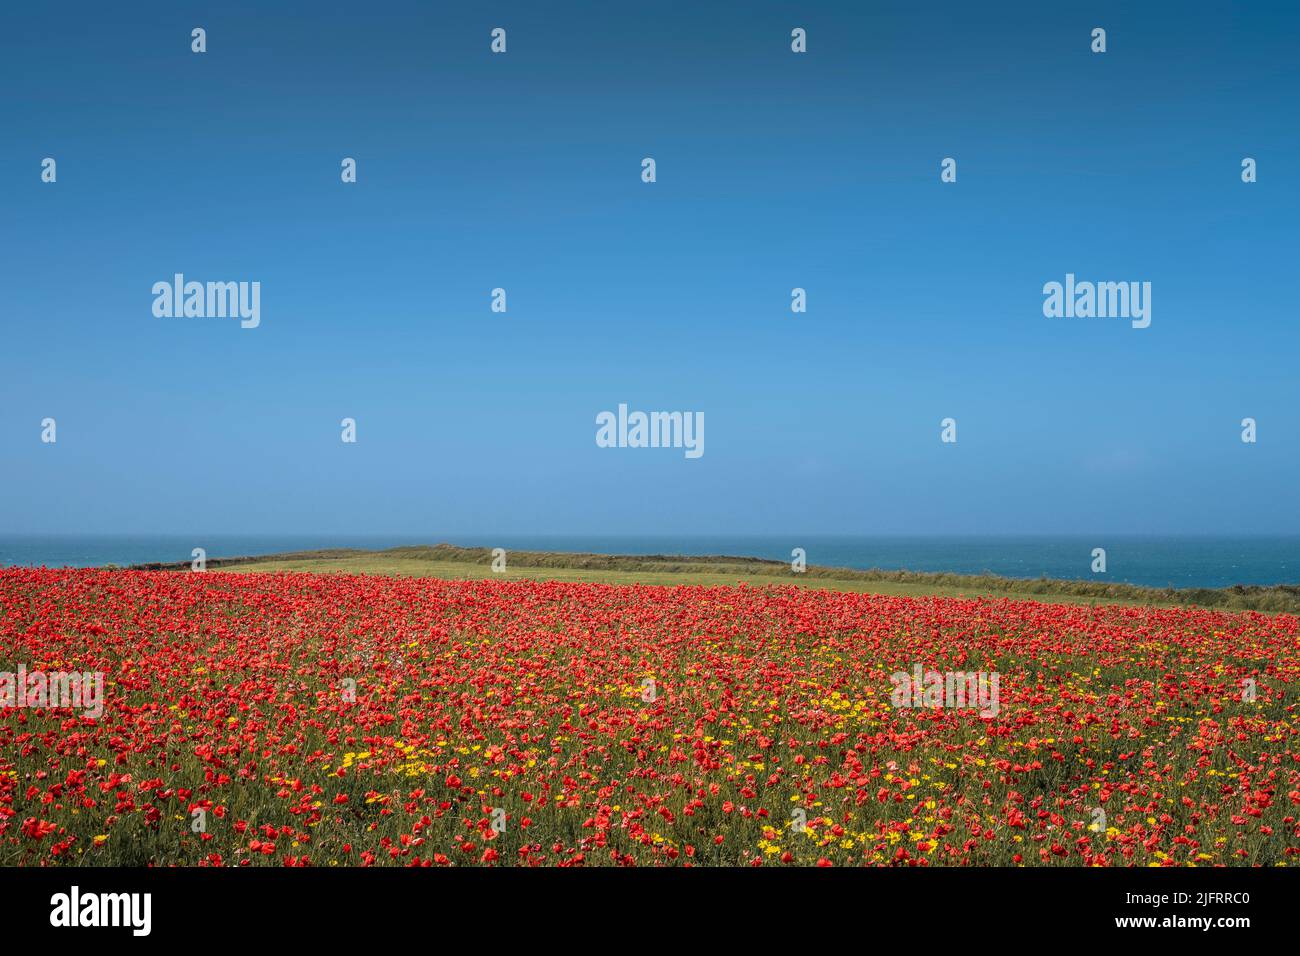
451 561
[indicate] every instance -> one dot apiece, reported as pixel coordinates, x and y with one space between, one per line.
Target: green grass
451 562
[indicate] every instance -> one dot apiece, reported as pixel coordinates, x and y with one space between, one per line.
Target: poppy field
348 720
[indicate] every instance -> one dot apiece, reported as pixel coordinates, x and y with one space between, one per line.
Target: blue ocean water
1208 561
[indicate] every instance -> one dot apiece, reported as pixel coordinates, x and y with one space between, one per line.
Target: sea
1154 561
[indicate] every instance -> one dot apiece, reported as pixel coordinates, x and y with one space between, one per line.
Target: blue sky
522 171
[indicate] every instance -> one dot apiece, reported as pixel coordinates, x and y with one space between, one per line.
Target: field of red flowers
294 719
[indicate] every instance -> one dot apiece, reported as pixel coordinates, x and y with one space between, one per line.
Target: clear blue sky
775 170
